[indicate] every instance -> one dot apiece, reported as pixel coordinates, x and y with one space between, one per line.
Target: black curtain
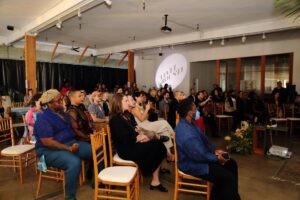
52 75
12 76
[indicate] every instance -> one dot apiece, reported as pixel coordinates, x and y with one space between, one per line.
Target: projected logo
171 70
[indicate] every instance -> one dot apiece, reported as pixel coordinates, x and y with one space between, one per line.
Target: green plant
289 8
241 140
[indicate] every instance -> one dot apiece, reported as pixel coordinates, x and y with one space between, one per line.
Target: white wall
276 43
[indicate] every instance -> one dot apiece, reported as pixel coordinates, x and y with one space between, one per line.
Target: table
266 130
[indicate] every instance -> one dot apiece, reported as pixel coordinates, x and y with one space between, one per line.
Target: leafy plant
289 8
241 140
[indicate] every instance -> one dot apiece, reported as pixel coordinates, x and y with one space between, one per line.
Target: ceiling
125 25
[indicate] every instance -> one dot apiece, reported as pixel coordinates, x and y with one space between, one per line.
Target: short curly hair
184 107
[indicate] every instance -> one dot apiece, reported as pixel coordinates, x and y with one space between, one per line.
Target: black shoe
159 188
163 138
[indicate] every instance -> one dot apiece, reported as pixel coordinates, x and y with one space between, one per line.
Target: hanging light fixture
244 39
222 42
263 37
59 24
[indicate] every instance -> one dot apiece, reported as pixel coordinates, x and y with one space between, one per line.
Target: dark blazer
173 107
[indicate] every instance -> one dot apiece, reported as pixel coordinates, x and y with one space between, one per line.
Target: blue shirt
49 124
194 149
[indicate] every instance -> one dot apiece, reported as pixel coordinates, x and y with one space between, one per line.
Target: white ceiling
112 29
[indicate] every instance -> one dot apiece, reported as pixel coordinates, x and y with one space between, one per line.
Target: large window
277 69
228 74
250 74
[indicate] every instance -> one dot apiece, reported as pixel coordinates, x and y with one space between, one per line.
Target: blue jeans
67 161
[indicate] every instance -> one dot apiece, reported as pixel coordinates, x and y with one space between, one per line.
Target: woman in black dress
130 145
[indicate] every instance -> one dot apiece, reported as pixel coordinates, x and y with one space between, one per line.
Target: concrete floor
255 183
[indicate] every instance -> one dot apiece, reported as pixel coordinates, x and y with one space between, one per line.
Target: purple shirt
50 124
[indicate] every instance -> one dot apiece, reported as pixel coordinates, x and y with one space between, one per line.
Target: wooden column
291 60
238 73
30 62
218 72
262 74
131 67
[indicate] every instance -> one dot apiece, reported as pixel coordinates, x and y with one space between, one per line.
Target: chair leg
14 161
96 189
208 191
137 187
21 169
175 189
64 183
83 171
39 184
128 192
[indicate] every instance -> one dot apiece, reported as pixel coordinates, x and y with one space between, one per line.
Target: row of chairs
117 172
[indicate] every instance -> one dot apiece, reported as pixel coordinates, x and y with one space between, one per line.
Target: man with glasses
56 141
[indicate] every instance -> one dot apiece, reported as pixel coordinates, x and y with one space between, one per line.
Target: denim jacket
194 149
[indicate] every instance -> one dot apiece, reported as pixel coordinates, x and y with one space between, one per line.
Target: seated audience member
257 111
199 157
160 128
119 90
105 103
164 105
56 141
130 145
230 107
96 110
1 108
65 88
28 97
178 96
85 99
282 92
205 107
31 115
81 119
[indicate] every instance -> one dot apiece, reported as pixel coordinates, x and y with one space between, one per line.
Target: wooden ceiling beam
82 54
106 59
54 51
122 60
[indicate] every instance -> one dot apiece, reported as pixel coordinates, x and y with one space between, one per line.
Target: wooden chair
187 183
115 159
15 156
124 179
17 104
218 112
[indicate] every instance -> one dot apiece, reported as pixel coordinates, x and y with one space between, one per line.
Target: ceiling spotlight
211 42
263 36
79 14
35 34
59 24
244 39
222 42
108 2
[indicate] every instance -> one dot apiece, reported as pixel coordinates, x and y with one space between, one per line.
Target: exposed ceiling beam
122 60
82 54
267 26
106 59
63 11
54 50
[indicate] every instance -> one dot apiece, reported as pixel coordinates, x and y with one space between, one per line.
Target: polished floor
255 181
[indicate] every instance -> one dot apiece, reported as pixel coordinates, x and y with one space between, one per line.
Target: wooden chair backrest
98 150
17 104
218 108
109 145
6 131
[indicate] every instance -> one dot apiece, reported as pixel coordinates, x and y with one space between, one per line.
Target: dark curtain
52 75
12 75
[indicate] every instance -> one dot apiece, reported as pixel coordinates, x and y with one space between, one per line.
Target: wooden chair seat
223 116
17 150
118 174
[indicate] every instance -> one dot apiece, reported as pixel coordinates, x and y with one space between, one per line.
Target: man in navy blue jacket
199 157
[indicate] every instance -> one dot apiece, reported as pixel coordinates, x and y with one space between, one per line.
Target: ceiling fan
165 28
74 48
